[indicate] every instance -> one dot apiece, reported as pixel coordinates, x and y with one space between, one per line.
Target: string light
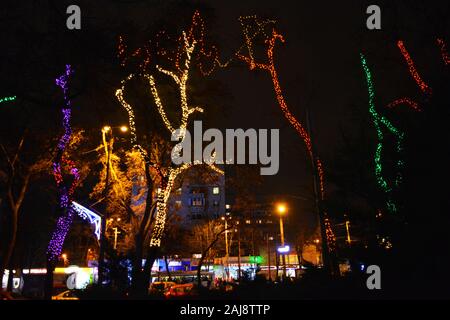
131 120
207 57
444 53
143 53
412 69
90 216
406 101
270 67
331 238
181 82
168 178
379 120
321 178
6 99
66 190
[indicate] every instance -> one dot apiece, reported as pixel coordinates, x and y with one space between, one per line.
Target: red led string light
270 67
331 238
444 52
407 101
412 69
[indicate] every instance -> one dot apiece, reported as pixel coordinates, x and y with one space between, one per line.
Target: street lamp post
116 232
347 227
108 144
226 249
281 208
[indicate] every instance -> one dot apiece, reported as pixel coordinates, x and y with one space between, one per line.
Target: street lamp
108 144
281 210
65 259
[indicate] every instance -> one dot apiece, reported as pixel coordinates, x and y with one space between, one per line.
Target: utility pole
268 258
347 227
327 263
226 249
116 232
282 244
239 255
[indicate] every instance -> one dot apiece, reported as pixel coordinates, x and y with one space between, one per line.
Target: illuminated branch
166 187
412 69
6 99
379 120
167 178
407 101
444 53
181 82
270 67
66 190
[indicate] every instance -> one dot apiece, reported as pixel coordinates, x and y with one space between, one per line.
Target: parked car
66 295
182 290
160 287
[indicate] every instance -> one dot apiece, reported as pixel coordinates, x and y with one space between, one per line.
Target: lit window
178 204
197 202
179 191
247 221
227 206
216 190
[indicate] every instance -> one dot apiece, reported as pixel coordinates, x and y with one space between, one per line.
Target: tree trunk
167 268
152 253
204 254
11 245
48 290
137 264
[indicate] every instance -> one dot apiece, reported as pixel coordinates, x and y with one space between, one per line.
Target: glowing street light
281 210
124 128
65 259
284 249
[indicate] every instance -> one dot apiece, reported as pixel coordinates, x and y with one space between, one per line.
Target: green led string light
378 121
6 99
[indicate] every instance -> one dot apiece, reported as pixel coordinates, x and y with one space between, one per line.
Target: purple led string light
65 220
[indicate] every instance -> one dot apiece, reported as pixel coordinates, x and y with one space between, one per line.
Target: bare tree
18 176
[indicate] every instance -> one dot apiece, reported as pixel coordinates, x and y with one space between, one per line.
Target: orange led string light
444 52
270 67
412 69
